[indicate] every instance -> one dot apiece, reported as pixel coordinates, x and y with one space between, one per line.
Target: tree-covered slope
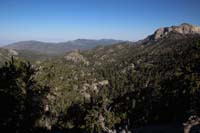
139 84
123 86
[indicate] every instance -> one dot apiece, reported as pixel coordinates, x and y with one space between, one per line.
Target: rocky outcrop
76 57
13 52
181 29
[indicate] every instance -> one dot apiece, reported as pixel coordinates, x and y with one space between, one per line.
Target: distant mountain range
47 48
59 48
36 50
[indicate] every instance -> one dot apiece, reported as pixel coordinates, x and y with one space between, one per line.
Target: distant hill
58 48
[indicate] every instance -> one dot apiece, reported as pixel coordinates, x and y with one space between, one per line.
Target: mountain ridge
59 48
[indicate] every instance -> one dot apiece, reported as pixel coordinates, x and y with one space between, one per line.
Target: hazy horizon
60 21
6 42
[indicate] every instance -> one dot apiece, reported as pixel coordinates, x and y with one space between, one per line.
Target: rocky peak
184 29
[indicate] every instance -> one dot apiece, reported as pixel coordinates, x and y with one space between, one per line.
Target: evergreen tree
21 98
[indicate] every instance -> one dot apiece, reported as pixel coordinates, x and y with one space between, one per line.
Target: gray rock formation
76 57
181 29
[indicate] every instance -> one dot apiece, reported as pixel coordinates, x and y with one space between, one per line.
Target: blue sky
62 20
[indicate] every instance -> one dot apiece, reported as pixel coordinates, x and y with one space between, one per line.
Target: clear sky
62 20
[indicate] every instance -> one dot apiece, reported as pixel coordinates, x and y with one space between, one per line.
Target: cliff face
182 29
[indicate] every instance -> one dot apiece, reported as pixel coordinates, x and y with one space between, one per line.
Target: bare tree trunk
192 121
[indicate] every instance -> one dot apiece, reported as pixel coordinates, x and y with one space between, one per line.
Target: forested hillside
109 88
